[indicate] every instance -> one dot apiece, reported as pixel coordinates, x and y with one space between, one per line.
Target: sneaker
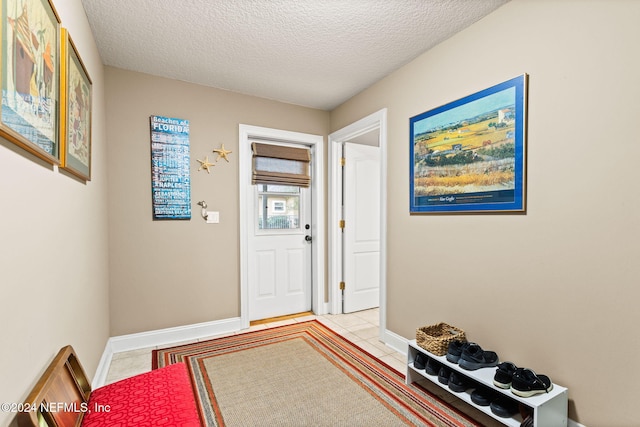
457 382
419 361
526 383
443 375
455 350
474 357
483 396
503 375
432 367
504 407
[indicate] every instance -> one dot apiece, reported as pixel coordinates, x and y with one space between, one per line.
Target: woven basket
436 338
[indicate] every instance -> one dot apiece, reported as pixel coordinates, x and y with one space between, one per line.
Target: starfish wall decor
222 153
204 164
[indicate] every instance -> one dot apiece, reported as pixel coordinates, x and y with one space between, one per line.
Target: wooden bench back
59 398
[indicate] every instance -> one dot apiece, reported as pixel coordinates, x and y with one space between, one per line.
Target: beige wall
556 289
172 273
53 248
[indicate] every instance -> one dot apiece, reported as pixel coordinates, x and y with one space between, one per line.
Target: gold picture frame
29 53
75 111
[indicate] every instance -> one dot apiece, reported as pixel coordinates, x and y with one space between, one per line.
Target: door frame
247 134
377 120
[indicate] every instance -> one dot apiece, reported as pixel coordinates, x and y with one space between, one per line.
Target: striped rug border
410 402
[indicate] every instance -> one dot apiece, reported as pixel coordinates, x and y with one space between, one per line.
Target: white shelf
549 409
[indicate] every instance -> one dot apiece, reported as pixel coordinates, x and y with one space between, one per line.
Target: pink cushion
163 397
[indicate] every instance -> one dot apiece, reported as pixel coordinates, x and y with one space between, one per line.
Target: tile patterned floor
360 328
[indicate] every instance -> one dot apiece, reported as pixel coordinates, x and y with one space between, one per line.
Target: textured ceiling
315 53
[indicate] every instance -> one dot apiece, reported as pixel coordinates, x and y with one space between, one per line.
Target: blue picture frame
469 156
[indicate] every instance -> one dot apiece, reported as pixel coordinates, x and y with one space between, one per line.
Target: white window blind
280 164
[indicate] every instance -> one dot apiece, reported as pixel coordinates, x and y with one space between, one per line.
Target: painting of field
466 158
469 151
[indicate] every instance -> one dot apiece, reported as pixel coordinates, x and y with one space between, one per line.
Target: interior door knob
307 238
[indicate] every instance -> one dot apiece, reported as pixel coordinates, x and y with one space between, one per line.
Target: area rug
302 374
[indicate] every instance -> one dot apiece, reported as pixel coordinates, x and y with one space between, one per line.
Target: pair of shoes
454 350
483 396
500 405
526 383
420 361
523 382
432 367
443 375
474 357
457 382
504 374
454 380
428 364
504 407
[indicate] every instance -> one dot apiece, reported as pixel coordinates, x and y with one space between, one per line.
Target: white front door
254 250
361 234
280 251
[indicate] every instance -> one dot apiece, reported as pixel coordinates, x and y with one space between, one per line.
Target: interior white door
279 274
361 235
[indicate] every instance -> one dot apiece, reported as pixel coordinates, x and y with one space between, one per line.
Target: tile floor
360 328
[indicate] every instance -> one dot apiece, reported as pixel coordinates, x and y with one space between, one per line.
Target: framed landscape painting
30 76
75 122
469 155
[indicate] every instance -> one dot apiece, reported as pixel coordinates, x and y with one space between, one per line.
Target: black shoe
443 375
457 382
526 383
473 357
483 396
504 407
504 373
455 350
432 367
419 361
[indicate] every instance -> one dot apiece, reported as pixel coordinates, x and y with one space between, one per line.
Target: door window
278 207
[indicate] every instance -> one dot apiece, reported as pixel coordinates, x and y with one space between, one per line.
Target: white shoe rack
549 409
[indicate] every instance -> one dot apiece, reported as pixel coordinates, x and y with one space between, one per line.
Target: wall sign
170 179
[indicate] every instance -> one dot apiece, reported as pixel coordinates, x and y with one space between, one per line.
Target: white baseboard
100 378
395 341
160 337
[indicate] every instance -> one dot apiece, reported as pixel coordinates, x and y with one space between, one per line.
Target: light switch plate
213 217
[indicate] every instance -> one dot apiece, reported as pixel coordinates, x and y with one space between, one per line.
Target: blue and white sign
170 178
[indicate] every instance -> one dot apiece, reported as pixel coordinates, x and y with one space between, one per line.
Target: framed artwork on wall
469 155
30 77
75 111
